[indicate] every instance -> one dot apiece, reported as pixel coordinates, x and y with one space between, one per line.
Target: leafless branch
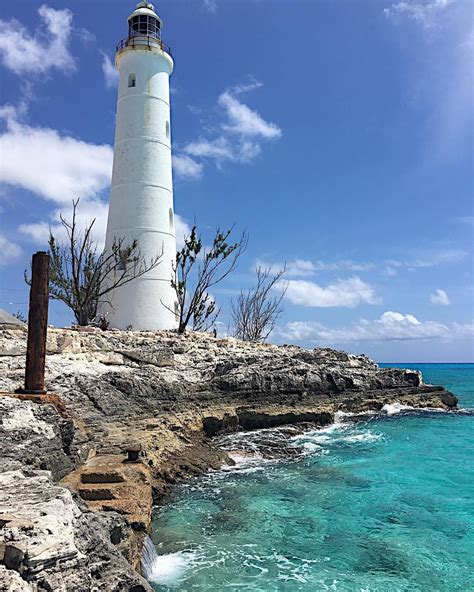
197 270
81 277
256 311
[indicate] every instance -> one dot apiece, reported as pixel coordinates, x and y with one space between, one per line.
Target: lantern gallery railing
143 40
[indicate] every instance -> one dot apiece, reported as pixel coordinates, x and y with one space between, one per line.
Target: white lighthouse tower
141 197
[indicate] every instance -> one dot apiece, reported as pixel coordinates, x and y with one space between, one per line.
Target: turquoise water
378 506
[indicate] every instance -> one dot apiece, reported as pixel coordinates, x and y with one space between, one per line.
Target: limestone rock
62 545
11 581
169 394
35 436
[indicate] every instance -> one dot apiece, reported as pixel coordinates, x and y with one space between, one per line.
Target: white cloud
56 167
424 13
440 257
343 264
244 121
425 259
87 211
444 82
345 293
218 148
9 251
237 134
440 297
221 149
390 271
391 326
85 36
466 220
62 168
12 113
111 74
48 47
194 109
186 167
250 85
210 5
182 229
307 268
295 268
429 258
38 232
247 151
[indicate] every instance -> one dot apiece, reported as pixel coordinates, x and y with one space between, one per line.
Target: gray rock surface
34 436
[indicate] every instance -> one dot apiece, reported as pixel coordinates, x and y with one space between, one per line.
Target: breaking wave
167 569
341 432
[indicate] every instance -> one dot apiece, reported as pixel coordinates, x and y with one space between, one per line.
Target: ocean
380 505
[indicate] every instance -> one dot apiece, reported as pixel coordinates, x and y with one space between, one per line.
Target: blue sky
338 133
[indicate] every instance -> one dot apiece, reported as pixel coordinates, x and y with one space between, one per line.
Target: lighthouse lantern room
141 197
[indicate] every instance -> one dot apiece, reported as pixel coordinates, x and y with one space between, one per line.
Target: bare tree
81 277
197 270
256 311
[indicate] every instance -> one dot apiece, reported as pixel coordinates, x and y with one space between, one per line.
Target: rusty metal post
133 454
37 325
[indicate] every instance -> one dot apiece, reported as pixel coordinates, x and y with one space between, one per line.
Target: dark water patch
380 556
224 522
335 476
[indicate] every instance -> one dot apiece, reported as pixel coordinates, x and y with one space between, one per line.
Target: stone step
102 477
99 492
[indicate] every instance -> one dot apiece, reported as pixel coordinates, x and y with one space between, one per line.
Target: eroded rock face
50 540
42 527
169 394
34 436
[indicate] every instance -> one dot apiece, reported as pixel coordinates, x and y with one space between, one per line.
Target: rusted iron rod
37 325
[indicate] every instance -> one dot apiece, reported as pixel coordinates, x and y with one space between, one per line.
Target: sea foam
340 432
394 408
167 569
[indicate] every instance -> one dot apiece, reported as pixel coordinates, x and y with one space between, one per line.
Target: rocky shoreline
73 514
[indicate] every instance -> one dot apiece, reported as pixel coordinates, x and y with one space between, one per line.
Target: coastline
350 496
171 395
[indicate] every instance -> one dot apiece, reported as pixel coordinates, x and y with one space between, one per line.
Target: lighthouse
141 196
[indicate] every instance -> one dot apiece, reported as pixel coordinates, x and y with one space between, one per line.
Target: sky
338 133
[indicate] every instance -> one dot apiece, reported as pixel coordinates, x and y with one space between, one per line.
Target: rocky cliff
73 513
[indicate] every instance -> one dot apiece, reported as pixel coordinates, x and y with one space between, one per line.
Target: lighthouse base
144 304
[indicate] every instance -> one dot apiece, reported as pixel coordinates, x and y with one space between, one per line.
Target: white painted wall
141 196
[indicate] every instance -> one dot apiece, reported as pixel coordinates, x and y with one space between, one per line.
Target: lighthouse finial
145 4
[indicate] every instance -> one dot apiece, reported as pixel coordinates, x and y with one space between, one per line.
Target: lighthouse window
131 80
170 213
134 28
144 25
167 129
